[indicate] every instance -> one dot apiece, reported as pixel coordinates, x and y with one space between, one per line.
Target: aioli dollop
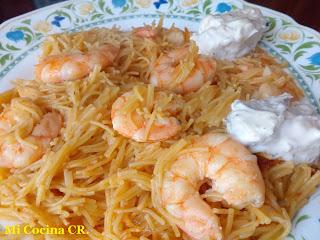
277 127
230 35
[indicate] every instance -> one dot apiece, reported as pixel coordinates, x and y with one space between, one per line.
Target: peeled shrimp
167 69
14 154
173 35
142 124
266 90
234 174
8 118
145 32
176 36
16 113
70 67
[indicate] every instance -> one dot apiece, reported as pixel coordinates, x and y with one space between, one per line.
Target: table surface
305 12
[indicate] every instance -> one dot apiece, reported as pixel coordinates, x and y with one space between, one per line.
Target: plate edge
7 22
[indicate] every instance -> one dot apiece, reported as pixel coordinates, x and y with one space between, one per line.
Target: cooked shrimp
7 120
233 171
145 32
173 35
14 154
145 120
70 67
18 112
176 36
171 72
266 90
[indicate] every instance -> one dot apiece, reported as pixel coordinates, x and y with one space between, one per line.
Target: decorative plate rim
8 21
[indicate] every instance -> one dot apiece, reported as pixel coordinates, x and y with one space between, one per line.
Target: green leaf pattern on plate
301 219
80 12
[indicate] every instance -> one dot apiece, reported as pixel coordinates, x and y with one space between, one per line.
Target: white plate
20 39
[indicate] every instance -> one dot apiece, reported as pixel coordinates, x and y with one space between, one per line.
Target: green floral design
301 219
9 49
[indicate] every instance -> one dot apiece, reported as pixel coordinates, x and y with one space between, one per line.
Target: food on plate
234 175
131 141
72 66
231 35
174 36
145 115
275 126
145 32
182 70
26 133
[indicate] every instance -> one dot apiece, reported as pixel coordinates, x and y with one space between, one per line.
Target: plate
20 40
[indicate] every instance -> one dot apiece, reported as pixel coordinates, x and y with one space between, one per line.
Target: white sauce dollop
231 35
274 126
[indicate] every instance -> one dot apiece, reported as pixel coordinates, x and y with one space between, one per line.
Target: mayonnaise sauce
231 35
277 127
